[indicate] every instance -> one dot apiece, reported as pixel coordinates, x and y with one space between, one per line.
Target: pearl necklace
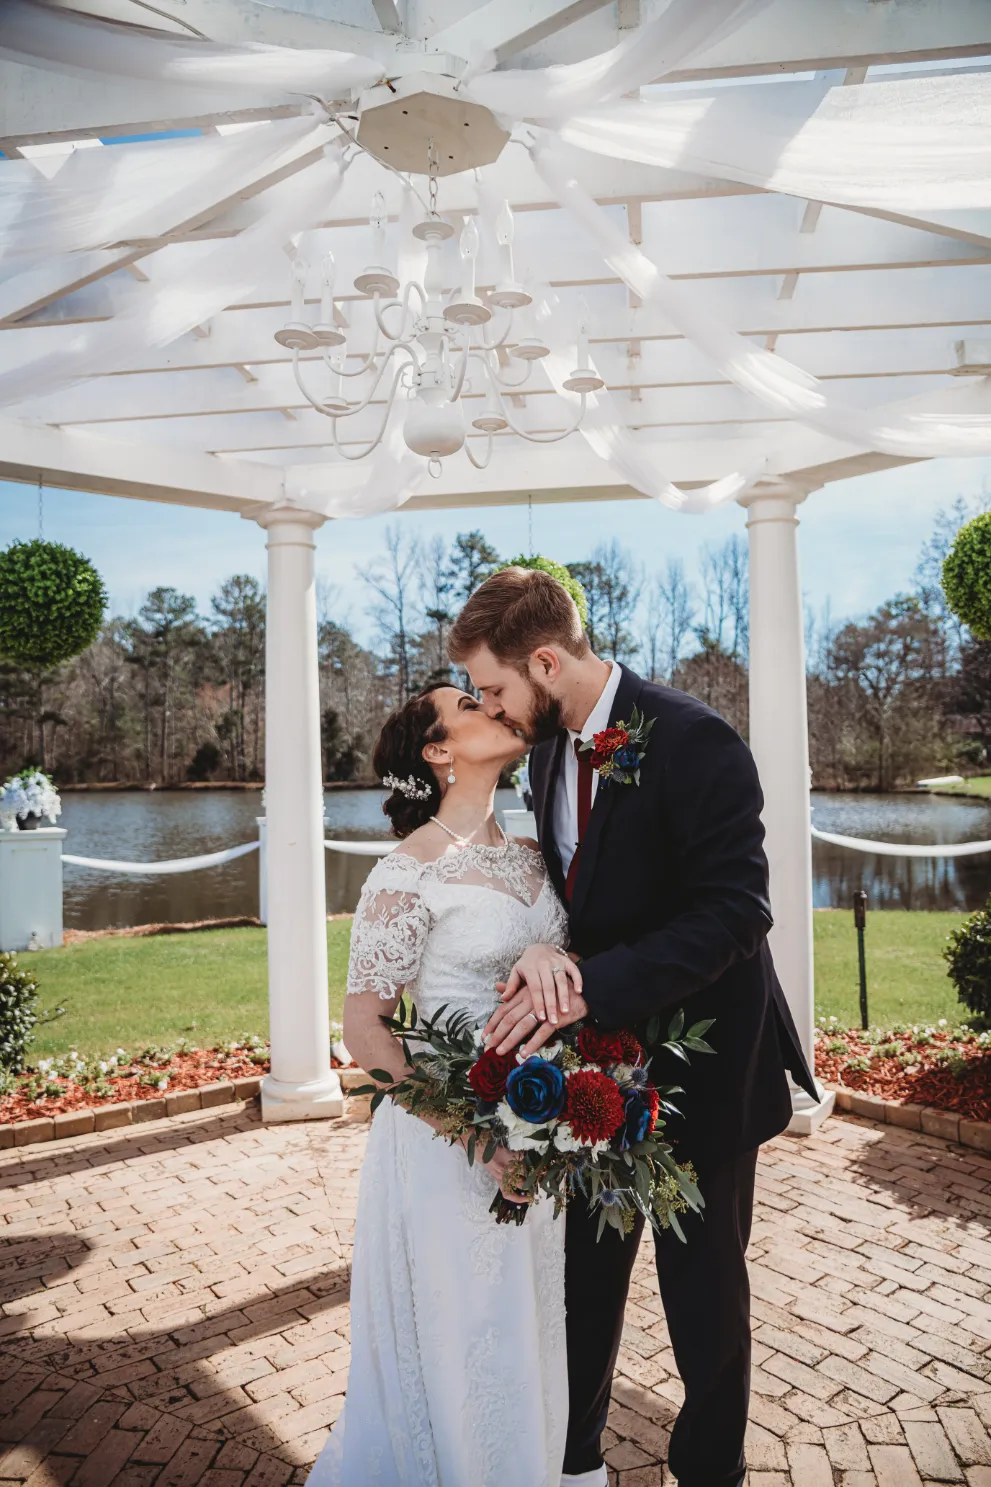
466 841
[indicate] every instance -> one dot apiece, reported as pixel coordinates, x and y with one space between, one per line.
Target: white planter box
31 888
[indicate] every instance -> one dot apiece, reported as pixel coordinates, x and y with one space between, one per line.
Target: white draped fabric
191 282
682 29
779 384
68 42
382 482
607 436
127 192
916 144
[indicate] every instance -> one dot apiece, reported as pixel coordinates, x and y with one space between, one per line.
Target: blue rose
636 1121
535 1091
628 758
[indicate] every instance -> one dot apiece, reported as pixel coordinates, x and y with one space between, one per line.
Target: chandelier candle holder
426 341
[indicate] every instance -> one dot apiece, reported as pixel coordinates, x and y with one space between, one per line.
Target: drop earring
452 777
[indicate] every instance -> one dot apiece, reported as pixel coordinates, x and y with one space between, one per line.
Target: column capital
775 499
284 513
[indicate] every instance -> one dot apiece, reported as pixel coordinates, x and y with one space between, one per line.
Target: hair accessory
412 788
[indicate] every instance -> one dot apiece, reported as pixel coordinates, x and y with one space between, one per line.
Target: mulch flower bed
55 1086
942 1067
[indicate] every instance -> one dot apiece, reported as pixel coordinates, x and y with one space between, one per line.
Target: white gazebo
746 242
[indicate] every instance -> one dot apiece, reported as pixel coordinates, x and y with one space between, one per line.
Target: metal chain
529 503
41 508
433 166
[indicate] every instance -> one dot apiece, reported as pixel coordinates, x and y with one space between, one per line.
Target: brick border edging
135 1112
945 1123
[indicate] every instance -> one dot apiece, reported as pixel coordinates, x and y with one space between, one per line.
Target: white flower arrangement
29 793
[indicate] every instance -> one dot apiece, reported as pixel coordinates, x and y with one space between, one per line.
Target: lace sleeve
389 930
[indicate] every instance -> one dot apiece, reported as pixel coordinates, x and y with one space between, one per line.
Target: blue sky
859 538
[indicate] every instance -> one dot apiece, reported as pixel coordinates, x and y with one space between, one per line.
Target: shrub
967 576
558 571
968 954
19 1012
51 603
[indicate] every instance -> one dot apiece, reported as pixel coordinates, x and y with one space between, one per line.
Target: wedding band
559 970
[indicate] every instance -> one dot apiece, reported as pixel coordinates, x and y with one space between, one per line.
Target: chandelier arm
549 438
359 407
511 386
322 407
396 304
364 453
480 464
367 366
459 380
494 345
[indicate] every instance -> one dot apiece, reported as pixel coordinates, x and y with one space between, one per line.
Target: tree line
171 695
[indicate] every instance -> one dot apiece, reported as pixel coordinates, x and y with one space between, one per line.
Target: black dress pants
706 1296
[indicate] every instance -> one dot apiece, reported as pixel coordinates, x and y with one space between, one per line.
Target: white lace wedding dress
458 1375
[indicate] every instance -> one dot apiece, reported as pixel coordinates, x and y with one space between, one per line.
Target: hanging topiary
51 603
558 571
967 576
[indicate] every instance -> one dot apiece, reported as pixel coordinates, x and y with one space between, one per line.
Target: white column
779 739
301 1084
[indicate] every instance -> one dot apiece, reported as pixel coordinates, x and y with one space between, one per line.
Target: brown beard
544 721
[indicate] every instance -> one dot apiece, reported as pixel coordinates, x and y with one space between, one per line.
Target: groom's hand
516 1020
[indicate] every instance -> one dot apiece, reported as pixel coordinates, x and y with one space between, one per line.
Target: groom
666 885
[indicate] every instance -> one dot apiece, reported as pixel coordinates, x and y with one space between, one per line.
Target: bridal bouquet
583 1114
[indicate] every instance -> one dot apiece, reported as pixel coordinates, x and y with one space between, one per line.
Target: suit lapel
554 752
627 696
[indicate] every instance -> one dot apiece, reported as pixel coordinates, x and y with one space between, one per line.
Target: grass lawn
906 975
210 986
206 987
979 785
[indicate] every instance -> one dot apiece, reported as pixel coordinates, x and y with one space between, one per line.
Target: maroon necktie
585 776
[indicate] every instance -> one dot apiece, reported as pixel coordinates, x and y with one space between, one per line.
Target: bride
458 1375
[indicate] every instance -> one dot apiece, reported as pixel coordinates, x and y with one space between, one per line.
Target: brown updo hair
399 752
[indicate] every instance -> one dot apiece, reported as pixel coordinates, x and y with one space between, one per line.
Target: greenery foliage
19 1012
51 603
967 575
968 955
558 571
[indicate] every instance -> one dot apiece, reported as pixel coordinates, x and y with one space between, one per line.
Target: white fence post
262 825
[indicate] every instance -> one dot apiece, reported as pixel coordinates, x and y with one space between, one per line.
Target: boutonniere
618 752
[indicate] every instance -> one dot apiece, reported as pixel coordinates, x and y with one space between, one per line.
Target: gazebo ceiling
873 302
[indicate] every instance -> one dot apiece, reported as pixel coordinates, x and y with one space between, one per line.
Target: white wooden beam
504 27
243 21
73 460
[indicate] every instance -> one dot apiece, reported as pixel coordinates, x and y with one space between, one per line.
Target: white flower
103 1066
566 1140
520 1133
622 1073
30 795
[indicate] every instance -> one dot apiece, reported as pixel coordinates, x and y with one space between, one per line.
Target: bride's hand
502 1166
553 979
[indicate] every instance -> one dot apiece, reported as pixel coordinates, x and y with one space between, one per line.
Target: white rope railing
361 849
901 849
176 865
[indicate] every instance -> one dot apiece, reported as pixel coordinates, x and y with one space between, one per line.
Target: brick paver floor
175 1310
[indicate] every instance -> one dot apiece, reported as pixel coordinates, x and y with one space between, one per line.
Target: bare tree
438 583
726 597
612 587
668 615
394 581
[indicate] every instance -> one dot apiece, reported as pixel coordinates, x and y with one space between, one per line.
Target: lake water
147 826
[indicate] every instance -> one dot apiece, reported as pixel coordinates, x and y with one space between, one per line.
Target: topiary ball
558 571
968 954
51 603
967 576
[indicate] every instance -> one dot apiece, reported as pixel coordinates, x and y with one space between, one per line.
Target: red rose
599 759
653 1102
488 1075
595 1109
600 1048
632 1050
610 739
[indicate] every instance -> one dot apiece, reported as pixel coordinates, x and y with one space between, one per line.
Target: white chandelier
426 343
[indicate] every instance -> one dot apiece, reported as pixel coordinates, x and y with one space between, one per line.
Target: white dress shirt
566 793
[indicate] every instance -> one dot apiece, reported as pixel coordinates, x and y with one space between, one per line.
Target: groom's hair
514 612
